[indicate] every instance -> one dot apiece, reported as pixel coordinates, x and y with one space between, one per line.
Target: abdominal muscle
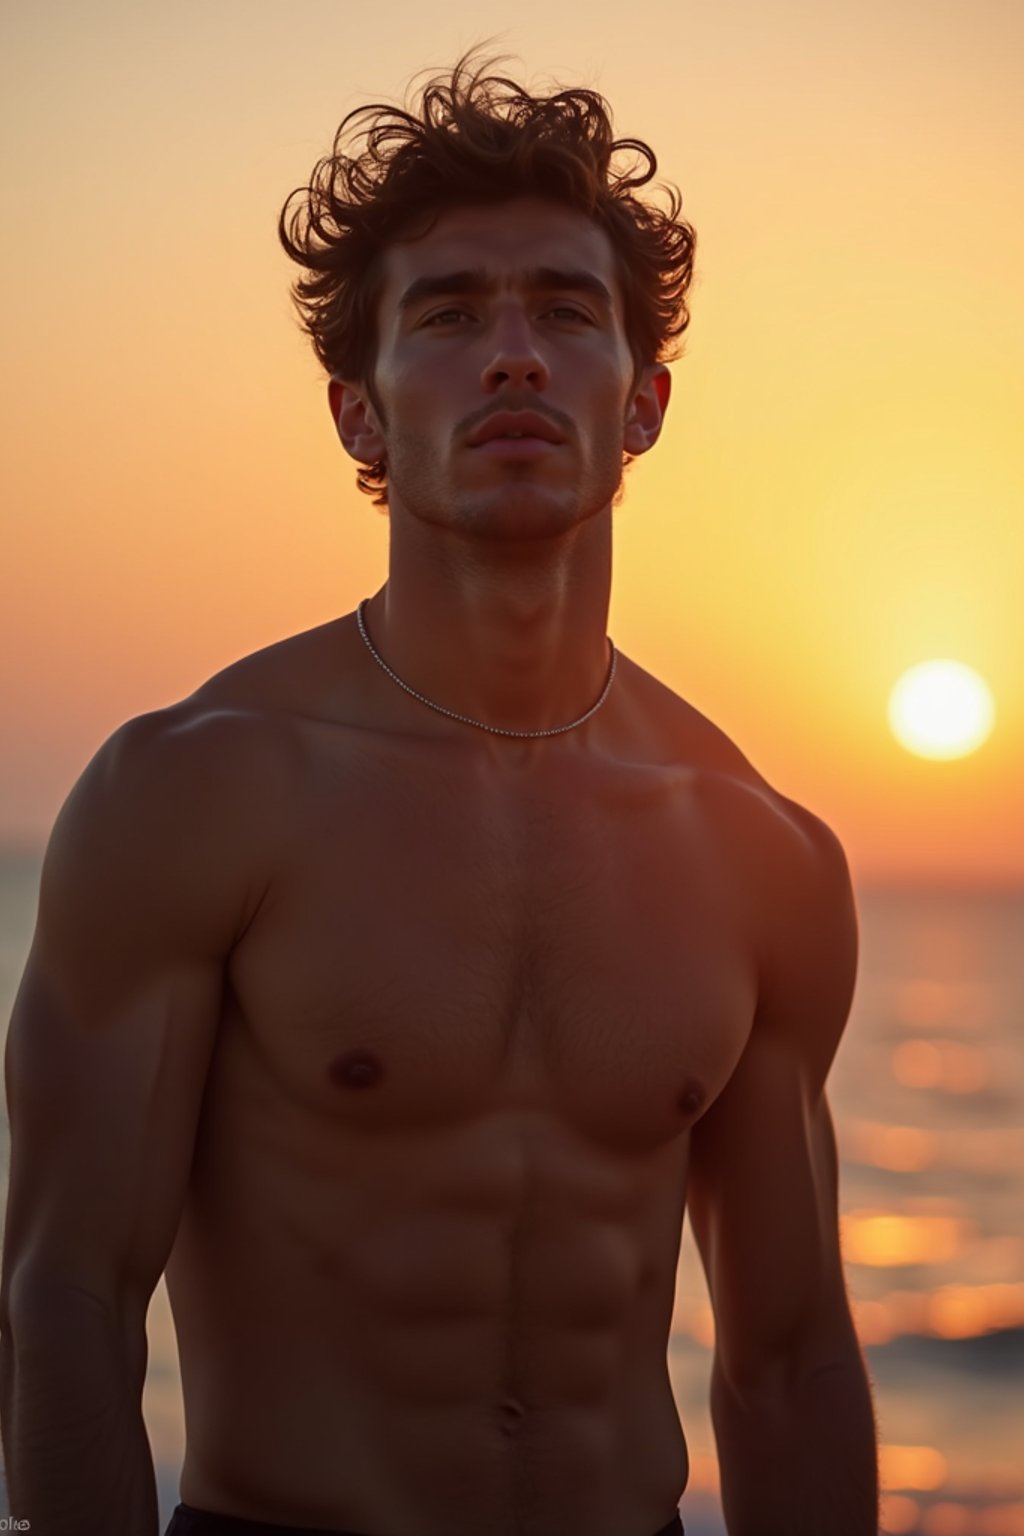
461 1331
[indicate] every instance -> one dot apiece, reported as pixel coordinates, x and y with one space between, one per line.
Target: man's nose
515 345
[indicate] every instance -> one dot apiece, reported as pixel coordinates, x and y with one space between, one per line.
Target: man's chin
504 514
525 519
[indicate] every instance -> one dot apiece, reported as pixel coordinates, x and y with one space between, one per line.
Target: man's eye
569 309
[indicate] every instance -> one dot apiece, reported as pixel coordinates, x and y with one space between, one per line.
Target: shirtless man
400 1028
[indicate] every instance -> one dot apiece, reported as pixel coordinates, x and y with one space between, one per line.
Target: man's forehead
507 240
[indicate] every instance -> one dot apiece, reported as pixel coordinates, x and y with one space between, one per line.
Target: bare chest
437 946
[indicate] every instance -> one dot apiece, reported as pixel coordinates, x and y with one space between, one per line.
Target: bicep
115 1021
762 1199
103 1112
763 1180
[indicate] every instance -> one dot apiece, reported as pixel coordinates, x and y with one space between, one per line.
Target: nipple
357 1069
691 1099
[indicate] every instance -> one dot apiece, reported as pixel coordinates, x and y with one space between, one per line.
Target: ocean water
927 1093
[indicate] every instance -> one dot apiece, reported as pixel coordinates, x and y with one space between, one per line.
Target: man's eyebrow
478 280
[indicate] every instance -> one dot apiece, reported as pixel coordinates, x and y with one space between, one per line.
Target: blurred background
834 504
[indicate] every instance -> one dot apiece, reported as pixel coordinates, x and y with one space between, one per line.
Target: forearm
77 1456
800 1462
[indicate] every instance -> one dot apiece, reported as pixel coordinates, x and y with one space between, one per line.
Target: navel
356 1069
511 1414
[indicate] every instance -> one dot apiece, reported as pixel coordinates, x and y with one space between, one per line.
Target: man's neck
525 649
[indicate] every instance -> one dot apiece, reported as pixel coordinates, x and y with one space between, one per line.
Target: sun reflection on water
888 1239
911 1466
898 1514
940 1064
923 1003
910 1149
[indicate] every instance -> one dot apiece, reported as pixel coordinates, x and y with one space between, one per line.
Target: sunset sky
838 493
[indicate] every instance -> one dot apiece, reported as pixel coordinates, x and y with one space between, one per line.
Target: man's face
449 358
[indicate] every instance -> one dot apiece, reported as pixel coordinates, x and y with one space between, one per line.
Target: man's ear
647 411
355 420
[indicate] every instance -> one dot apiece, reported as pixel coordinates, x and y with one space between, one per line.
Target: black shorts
187 1521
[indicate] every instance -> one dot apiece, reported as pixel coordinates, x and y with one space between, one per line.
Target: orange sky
837 494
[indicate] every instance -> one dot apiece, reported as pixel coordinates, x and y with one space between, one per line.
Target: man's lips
519 424
515 447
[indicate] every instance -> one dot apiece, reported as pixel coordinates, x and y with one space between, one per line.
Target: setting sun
941 709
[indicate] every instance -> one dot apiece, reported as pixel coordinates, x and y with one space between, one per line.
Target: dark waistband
189 1521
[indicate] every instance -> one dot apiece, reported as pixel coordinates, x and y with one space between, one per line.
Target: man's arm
790 1399
106 1062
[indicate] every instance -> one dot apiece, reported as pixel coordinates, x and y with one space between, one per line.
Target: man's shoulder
783 863
758 814
287 676
690 739
789 863
239 716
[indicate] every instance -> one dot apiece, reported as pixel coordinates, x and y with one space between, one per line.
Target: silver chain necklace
499 730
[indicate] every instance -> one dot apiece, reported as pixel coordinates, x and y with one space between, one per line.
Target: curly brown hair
470 145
